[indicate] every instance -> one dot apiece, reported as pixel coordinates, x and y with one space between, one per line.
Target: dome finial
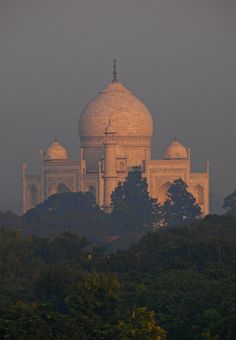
114 80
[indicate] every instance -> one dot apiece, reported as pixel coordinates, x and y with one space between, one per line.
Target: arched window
33 196
62 188
52 190
162 191
121 167
58 189
199 194
92 190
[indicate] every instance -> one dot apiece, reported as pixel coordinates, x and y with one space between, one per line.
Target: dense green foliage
230 204
50 289
181 278
134 207
180 206
75 212
177 282
132 204
134 213
9 220
79 213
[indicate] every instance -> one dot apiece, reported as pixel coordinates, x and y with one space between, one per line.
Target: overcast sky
178 56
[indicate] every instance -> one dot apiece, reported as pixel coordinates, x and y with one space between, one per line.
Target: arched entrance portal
162 197
199 194
33 196
61 188
92 190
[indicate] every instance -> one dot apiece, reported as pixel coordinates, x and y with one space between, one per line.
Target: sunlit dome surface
129 116
56 152
176 150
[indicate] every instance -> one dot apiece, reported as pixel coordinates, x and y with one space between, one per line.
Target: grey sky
178 56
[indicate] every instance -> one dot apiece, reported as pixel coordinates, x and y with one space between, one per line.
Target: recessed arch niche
60 188
92 189
199 194
33 195
162 192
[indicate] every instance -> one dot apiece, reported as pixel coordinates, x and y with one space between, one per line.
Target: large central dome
129 116
131 122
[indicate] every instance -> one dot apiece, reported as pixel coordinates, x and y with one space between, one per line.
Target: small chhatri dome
56 152
130 117
176 150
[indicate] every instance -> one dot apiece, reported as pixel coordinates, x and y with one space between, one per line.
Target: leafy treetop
230 204
131 201
180 206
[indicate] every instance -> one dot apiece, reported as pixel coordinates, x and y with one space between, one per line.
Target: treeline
50 289
134 213
64 275
177 282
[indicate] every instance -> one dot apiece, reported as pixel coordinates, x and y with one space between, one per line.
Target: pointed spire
55 139
114 80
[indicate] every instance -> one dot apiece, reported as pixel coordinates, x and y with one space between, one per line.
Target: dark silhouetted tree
230 204
76 212
180 206
61 204
132 203
9 220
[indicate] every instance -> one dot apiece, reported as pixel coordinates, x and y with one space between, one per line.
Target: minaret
110 172
24 173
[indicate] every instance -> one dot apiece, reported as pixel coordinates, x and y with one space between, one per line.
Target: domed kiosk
56 152
176 150
130 118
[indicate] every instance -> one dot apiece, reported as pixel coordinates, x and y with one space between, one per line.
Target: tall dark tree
180 206
9 220
132 203
230 204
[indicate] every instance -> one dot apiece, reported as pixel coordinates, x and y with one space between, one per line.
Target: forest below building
148 270
175 283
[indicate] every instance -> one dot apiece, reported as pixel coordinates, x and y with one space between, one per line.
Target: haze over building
115 130
177 56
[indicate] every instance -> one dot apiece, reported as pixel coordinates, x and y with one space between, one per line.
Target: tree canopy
180 206
75 212
61 204
132 203
174 281
230 204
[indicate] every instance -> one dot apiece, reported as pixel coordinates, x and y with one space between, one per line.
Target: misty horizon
179 59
